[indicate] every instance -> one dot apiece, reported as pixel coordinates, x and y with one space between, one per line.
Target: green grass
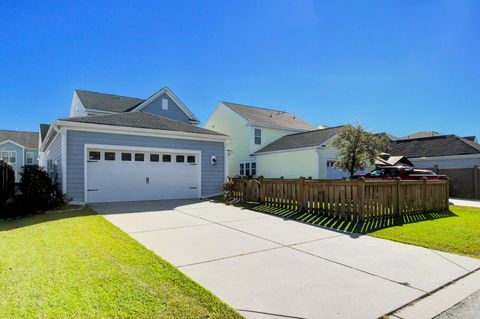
456 231
458 234
78 265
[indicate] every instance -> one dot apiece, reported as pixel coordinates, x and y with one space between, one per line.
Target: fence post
398 201
424 195
447 194
261 192
361 212
301 199
476 182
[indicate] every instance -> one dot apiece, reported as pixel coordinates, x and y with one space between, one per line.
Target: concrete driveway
268 267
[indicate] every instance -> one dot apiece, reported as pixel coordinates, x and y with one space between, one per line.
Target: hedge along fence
355 200
7 182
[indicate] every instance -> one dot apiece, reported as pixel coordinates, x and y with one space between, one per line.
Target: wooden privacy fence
355 200
7 182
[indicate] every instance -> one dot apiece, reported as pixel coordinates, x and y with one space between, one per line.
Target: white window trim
244 169
255 137
9 156
165 104
26 157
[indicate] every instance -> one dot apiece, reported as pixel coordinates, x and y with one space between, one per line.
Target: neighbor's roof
301 140
26 139
107 102
141 120
422 134
270 118
44 130
440 145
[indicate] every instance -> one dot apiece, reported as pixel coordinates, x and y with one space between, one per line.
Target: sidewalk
465 202
461 297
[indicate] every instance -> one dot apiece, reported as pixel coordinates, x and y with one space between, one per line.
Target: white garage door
133 175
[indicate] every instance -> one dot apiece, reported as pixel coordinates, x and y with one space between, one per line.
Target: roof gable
172 96
25 139
270 118
441 145
301 140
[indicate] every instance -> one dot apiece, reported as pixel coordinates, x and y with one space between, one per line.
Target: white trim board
14 143
140 131
448 157
86 147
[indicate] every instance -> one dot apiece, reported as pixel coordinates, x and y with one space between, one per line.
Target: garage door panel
118 180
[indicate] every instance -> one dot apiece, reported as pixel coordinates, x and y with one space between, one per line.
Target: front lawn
78 265
458 234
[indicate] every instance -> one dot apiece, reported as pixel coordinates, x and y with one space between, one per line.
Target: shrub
38 190
228 188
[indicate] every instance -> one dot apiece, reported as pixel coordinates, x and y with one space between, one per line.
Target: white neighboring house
118 148
251 128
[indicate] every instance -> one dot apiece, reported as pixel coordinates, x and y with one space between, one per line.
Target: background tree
357 148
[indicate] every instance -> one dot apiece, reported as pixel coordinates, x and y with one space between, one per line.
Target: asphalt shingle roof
141 120
300 140
441 145
43 130
107 102
270 118
26 139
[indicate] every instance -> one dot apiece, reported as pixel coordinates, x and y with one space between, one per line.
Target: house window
258 136
126 157
139 157
248 169
191 159
9 157
166 158
12 157
94 156
29 158
164 104
154 158
180 159
109 156
4 157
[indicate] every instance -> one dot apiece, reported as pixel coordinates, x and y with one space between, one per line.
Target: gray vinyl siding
174 112
447 163
55 154
212 175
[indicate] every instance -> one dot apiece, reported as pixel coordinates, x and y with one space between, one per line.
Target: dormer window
164 104
258 136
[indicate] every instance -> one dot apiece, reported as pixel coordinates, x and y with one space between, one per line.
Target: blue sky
396 66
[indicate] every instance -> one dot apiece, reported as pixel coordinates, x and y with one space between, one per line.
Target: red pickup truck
408 173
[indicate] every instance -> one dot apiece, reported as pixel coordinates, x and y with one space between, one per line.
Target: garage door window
109 156
139 157
180 159
94 156
191 159
154 157
167 158
126 157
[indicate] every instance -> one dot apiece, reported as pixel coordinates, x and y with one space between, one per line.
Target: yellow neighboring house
307 154
251 129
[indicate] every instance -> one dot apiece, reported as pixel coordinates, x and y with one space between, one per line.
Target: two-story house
18 149
250 129
117 148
